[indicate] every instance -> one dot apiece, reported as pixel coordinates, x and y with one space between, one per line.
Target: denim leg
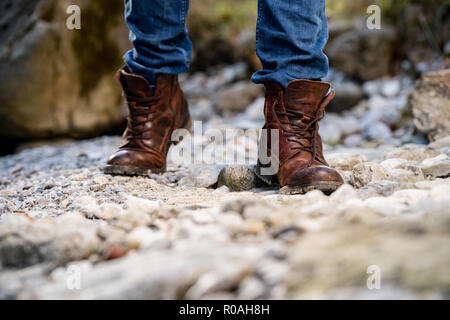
159 35
290 38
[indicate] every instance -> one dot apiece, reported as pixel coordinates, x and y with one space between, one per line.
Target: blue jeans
290 37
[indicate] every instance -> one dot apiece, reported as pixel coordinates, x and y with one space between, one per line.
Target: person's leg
159 36
290 37
156 103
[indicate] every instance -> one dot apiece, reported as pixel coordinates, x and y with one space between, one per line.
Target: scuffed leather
154 122
301 156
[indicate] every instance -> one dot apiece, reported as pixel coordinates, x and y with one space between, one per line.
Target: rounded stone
237 178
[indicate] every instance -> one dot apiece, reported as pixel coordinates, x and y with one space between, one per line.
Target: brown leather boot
153 115
296 113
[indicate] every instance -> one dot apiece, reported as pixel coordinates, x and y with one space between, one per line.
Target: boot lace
140 107
303 127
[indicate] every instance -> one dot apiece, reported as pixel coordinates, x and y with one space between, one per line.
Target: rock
378 131
62 240
431 104
86 205
141 205
337 27
441 143
169 237
237 178
410 196
222 189
354 140
101 179
390 87
236 205
60 82
202 177
334 127
402 170
201 109
255 111
143 237
356 247
429 185
361 53
383 188
233 221
388 110
346 175
438 167
441 192
394 163
348 94
363 174
345 161
237 97
412 152
108 211
386 207
252 288
409 174
189 271
349 124
344 193
137 213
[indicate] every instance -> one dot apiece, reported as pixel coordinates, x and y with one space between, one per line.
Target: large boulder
56 81
361 53
431 104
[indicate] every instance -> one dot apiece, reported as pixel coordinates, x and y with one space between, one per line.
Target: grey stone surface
237 178
160 238
373 49
431 104
55 82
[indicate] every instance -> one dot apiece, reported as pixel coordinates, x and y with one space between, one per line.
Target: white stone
141 205
437 167
344 193
345 161
394 163
365 173
386 206
108 211
432 161
101 179
142 237
410 196
390 88
441 192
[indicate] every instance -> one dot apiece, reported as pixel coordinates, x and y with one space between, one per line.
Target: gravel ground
68 231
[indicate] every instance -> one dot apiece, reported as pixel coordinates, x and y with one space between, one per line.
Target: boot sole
131 171
326 187
141 171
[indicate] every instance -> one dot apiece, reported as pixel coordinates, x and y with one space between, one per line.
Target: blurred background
58 84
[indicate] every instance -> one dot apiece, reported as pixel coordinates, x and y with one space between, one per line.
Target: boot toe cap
313 175
126 158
